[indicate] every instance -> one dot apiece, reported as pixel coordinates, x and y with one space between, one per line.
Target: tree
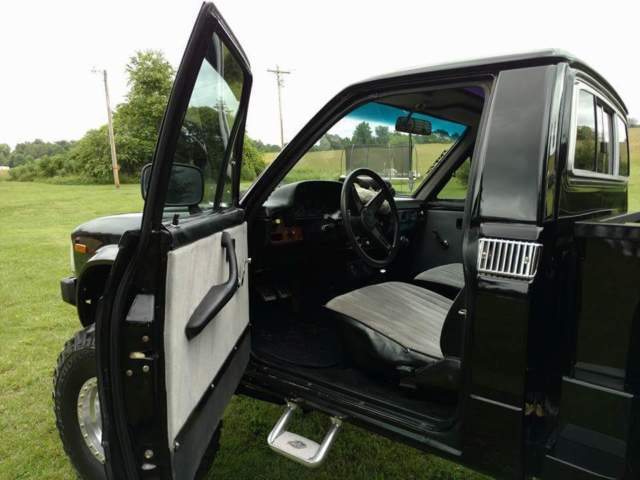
90 156
382 135
252 162
5 153
29 151
265 147
330 141
137 121
362 134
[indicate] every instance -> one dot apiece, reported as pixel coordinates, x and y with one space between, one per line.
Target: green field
34 324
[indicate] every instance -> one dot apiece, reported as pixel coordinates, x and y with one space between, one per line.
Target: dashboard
306 210
309 211
306 199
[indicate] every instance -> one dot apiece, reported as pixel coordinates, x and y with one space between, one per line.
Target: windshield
396 143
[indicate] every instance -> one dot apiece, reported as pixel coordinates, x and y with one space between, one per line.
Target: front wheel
77 409
77 406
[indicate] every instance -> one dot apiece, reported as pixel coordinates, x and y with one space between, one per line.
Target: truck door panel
191 271
439 239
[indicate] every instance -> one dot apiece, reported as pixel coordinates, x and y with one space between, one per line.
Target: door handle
218 295
444 243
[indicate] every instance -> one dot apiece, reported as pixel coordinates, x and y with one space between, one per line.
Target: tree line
136 122
363 134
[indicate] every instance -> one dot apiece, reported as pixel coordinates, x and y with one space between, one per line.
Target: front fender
105 255
91 282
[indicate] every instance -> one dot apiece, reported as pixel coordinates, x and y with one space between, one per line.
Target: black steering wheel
371 223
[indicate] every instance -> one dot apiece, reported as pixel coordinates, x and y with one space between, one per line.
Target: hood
111 226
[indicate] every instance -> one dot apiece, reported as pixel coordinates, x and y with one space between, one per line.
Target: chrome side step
299 448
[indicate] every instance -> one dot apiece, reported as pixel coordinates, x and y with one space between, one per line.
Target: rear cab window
622 141
599 139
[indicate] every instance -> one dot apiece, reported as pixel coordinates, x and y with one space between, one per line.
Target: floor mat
306 344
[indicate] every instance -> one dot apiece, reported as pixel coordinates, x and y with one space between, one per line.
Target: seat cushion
450 275
399 322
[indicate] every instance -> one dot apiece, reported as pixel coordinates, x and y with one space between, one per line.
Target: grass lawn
34 324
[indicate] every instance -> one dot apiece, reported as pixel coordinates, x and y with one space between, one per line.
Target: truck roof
506 62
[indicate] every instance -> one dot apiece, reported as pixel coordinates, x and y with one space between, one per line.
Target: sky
48 48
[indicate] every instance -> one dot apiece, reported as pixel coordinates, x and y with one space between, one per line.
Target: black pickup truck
482 306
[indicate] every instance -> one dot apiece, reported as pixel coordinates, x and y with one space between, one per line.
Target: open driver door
173 325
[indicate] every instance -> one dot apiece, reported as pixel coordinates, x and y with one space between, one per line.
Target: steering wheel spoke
355 221
376 202
355 199
378 236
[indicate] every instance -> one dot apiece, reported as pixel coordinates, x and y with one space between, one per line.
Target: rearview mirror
186 185
413 125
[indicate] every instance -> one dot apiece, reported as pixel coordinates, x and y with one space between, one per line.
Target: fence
393 162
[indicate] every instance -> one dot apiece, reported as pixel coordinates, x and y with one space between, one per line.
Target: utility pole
280 82
112 142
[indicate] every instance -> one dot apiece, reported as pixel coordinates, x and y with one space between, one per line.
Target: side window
204 139
585 152
456 186
623 147
600 137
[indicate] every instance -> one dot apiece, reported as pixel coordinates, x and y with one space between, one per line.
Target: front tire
76 405
75 376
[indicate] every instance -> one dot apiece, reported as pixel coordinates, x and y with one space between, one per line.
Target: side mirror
413 125
186 185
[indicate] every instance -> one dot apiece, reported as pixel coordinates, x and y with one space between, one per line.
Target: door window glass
205 136
585 153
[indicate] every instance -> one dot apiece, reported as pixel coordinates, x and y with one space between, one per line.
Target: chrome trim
508 258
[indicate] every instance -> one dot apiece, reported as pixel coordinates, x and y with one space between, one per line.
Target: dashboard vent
508 258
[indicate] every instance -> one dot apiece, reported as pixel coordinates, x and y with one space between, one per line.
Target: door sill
422 431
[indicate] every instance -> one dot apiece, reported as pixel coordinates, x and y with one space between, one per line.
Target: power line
280 81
